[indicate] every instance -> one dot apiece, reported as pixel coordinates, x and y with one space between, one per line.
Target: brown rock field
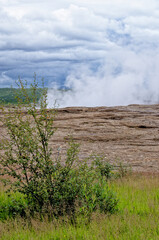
128 134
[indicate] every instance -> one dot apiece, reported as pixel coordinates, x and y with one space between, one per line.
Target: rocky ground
129 135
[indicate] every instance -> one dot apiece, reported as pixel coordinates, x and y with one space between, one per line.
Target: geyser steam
124 77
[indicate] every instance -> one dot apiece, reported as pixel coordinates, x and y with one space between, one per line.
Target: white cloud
107 50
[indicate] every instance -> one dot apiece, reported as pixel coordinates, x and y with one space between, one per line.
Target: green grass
137 219
140 196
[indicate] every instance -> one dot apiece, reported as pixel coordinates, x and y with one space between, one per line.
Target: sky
105 51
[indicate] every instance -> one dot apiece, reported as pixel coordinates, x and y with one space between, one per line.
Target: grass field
137 218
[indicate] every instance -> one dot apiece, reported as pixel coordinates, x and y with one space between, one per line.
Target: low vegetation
137 217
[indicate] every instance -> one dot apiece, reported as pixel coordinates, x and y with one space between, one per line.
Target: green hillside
8 95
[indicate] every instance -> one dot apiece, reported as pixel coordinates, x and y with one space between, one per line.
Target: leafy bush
104 167
50 186
12 205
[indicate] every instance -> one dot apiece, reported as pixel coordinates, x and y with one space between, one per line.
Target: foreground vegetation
137 218
50 186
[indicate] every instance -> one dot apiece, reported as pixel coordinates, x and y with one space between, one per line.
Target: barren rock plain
127 135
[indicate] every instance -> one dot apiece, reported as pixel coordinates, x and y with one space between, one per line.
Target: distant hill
8 95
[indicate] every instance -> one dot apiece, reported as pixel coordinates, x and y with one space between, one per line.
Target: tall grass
138 195
137 219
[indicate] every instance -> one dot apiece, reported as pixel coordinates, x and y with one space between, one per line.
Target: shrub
12 205
103 166
50 186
